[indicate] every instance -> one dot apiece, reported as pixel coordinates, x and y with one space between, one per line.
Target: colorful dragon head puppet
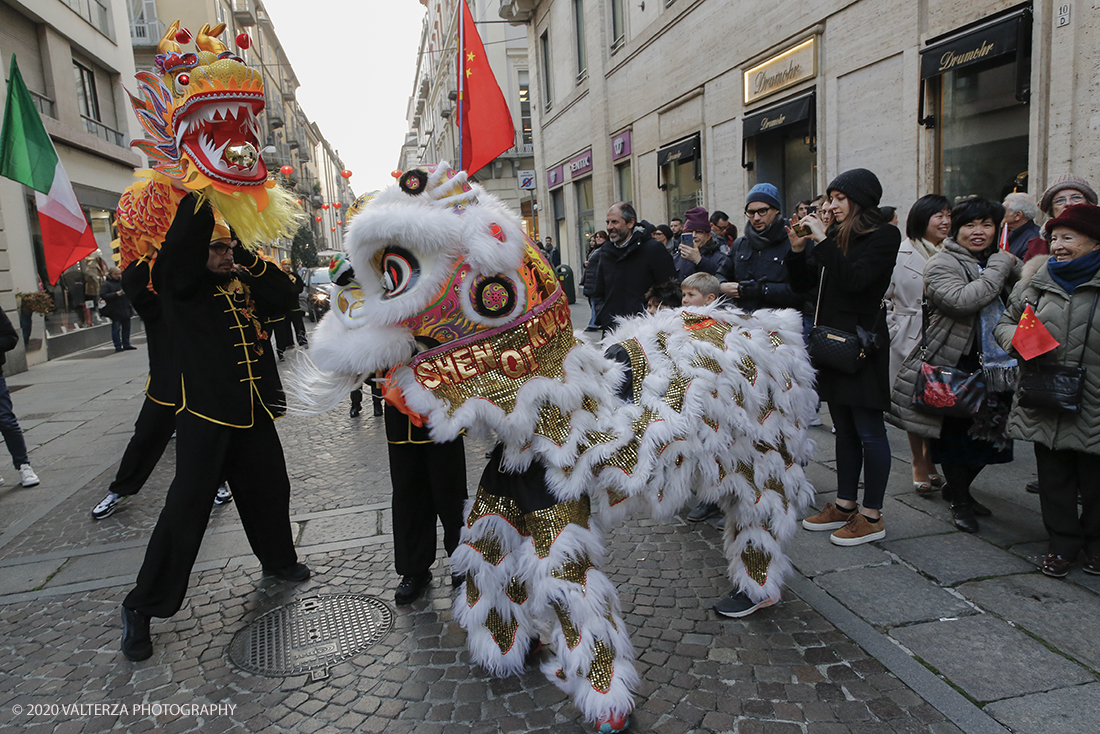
200 113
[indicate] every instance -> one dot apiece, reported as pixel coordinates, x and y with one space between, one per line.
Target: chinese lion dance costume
451 292
199 111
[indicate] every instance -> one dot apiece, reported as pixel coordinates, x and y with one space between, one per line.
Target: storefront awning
681 150
996 38
781 115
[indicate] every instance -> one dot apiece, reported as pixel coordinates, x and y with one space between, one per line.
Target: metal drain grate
311 634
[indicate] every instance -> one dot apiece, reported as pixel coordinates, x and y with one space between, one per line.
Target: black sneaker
295 573
739 605
704 511
412 587
136 643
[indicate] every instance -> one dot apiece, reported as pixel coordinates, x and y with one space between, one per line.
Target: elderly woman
1066 191
927 225
964 285
1063 292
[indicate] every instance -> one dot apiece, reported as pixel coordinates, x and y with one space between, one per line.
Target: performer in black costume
213 297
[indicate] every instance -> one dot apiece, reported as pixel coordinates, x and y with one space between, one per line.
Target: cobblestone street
842 652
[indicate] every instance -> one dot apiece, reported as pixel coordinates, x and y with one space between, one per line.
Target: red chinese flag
1032 338
485 123
1004 238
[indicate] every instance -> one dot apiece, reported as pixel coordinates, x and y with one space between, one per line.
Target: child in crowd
665 295
700 289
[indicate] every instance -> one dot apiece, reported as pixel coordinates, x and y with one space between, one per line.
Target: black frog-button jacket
227 370
851 296
163 385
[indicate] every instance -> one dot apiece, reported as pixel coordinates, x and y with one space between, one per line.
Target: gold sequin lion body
713 401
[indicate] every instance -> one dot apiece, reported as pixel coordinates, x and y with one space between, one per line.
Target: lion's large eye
181 82
400 271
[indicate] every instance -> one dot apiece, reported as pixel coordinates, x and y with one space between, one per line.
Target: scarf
924 248
1072 273
998 367
772 234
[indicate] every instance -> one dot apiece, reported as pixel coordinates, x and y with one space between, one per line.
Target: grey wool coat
956 289
1066 317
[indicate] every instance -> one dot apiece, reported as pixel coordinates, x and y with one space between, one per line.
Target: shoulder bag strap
820 287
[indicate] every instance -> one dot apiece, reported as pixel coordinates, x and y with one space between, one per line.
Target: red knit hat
697 220
1082 218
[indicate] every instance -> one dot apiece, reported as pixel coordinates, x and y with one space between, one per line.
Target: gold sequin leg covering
593 659
494 606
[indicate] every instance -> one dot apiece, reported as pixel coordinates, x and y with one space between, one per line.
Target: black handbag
836 349
942 390
1054 387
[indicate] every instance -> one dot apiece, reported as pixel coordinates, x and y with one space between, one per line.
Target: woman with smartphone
851 261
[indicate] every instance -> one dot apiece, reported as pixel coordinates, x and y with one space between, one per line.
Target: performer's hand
191 226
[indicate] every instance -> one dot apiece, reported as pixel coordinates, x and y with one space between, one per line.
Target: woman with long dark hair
852 262
927 226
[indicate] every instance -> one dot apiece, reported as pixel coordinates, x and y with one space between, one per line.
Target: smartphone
801 229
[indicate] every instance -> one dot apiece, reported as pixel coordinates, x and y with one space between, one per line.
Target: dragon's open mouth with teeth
221 135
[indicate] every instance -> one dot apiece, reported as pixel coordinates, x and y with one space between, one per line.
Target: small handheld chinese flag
1004 238
1032 338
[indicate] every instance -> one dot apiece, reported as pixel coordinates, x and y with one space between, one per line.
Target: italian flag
27 155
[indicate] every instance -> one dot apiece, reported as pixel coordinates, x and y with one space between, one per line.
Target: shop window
679 175
557 201
782 138
624 186
586 219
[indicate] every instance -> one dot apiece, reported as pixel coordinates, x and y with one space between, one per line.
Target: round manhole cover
311 634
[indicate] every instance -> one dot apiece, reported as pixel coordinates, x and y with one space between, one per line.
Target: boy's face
653 306
693 297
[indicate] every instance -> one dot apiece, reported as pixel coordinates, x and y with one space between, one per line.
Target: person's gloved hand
751 290
191 228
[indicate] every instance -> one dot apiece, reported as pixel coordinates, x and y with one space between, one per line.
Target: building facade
677 103
432 111
72 56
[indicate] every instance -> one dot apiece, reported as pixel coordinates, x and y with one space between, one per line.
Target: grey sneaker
739 605
27 476
107 505
703 511
224 496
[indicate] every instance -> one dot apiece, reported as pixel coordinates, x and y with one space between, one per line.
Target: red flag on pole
1032 338
1004 237
484 121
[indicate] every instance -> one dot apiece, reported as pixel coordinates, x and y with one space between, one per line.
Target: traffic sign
526 179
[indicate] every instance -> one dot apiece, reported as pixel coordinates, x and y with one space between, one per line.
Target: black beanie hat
859 185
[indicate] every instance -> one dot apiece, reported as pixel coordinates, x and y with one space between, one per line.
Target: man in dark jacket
630 264
116 307
1020 213
214 297
9 424
756 276
701 254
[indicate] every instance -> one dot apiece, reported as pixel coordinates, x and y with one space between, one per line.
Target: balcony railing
44 104
146 33
97 128
244 13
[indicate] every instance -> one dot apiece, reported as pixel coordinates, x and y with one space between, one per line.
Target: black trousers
429 481
1063 475
152 431
284 339
297 320
252 460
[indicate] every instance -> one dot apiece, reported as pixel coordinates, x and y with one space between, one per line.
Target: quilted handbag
839 350
1053 387
948 391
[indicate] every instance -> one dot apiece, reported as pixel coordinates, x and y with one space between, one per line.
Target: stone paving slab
364 524
99 566
1071 710
28 576
812 553
956 557
989 659
890 596
1062 615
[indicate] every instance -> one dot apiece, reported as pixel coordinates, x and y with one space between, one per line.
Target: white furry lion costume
713 400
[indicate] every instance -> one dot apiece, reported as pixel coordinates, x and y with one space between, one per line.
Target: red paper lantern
299 202
334 229
339 223
318 219
345 173
336 204
324 206
183 36
396 173
243 41
286 170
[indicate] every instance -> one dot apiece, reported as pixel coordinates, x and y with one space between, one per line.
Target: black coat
163 385
9 340
851 295
588 278
761 272
225 360
116 303
625 274
711 261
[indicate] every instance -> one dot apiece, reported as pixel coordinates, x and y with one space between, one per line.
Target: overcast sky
355 60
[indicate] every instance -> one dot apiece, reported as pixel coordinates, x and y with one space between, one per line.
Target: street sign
526 179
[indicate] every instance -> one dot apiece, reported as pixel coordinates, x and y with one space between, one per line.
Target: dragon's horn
207 40
168 43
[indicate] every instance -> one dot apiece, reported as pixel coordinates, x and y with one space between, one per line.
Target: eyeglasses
753 213
220 247
1073 199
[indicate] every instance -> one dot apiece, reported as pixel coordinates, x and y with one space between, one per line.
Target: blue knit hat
766 193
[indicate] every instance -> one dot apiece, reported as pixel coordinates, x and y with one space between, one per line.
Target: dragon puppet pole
461 66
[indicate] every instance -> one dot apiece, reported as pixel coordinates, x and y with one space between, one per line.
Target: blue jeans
9 426
120 332
861 444
594 305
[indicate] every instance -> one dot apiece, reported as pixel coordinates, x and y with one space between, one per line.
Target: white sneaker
224 496
29 478
107 505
